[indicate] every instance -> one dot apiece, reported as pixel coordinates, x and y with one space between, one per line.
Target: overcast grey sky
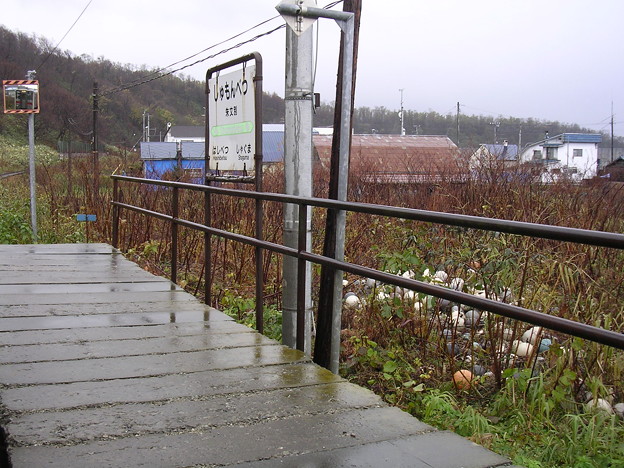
547 59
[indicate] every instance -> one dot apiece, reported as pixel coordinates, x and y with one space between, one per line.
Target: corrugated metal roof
272 146
511 154
156 150
396 154
582 137
193 150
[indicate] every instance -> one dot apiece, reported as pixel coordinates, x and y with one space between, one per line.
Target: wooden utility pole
94 147
325 353
70 182
457 124
612 147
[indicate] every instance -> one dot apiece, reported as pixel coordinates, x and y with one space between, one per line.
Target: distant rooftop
571 138
396 154
502 152
187 131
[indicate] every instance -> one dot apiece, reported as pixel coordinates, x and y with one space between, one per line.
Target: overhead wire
159 70
155 75
171 72
64 36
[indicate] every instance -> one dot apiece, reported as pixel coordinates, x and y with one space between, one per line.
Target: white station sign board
231 120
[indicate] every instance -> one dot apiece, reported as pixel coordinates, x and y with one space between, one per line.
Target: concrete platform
104 364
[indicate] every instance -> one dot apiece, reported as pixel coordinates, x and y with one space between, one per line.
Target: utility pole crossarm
290 9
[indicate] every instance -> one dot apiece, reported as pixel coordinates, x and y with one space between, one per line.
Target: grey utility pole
401 112
31 164
296 15
298 176
327 343
457 122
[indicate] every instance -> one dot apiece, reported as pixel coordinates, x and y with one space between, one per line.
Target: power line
171 72
155 75
59 42
159 70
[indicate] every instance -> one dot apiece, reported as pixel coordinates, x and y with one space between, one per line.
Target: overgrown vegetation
405 347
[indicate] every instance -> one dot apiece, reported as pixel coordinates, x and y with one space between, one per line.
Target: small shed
614 171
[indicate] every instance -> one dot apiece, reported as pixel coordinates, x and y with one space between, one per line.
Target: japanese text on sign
231 121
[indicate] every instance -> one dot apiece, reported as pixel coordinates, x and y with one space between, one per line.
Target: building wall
173 139
155 168
190 150
587 164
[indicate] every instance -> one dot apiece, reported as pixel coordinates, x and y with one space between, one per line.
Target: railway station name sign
231 120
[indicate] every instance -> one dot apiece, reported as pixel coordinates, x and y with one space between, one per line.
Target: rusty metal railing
581 236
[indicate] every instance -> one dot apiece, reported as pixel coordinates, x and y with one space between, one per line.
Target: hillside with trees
67 82
474 129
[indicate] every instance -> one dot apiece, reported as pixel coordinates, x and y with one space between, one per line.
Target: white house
569 155
186 133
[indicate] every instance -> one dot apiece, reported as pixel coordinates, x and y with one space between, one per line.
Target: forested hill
66 83
67 80
473 129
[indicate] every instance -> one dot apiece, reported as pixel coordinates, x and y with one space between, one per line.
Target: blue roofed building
184 149
488 155
272 143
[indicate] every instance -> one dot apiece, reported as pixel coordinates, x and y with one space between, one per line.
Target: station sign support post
233 150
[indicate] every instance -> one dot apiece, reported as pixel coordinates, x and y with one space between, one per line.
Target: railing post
259 265
207 251
301 277
174 235
259 205
115 214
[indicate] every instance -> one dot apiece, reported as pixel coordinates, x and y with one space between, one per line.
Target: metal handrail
583 236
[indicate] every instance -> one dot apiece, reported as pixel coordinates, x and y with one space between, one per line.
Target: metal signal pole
31 163
33 185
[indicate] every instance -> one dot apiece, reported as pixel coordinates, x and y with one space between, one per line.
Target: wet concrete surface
55 310
101 319
104 364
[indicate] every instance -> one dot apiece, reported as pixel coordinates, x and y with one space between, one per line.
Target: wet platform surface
104 364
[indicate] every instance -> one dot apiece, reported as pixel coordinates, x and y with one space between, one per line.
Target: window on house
537 154
551 153
577 152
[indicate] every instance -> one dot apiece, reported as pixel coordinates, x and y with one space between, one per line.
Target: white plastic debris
530 336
